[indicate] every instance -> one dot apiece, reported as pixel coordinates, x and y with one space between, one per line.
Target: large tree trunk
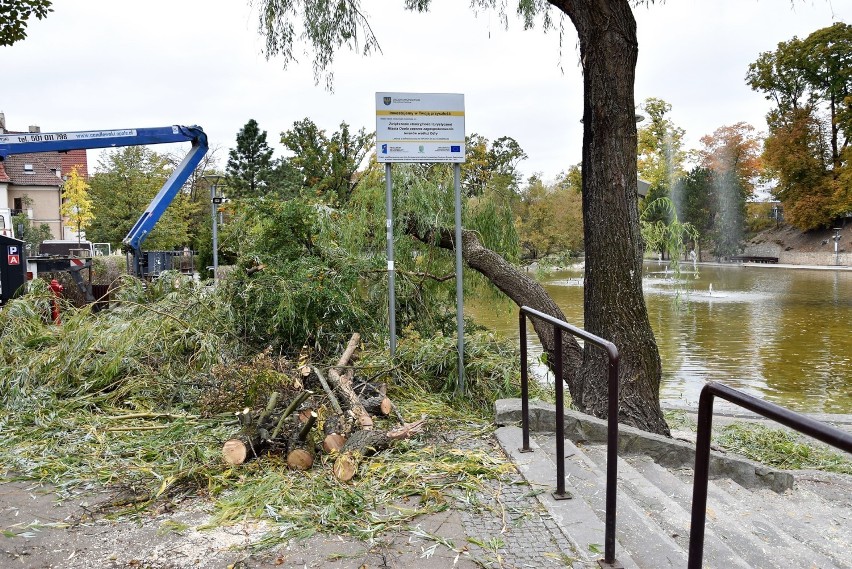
518 286
614 307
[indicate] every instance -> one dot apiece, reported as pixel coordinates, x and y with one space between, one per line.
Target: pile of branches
331 415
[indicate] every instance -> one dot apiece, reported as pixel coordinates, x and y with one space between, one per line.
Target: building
31 184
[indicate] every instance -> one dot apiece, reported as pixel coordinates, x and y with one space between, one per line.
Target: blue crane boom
24 143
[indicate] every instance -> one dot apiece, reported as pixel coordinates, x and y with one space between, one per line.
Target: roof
74 158
45 166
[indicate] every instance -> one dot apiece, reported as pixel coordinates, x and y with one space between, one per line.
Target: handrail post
611 458
700 477
560 493
525 392
806 425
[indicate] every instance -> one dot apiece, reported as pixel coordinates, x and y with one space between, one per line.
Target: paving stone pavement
515 530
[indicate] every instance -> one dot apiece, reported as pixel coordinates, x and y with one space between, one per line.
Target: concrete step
669 514
795 530
643 540
579 523
731 519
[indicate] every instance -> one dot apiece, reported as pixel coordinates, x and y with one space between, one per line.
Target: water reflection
781 334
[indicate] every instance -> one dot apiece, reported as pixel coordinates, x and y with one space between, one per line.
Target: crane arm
24 143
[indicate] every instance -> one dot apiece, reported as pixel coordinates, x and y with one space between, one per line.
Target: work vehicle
25 143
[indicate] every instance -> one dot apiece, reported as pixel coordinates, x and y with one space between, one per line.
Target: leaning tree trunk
614 307
518 286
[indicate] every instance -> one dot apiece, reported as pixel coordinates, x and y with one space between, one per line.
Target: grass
778 448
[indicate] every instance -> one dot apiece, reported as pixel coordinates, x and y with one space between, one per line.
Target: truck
140 264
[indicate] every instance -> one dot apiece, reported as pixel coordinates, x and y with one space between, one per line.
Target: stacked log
337 421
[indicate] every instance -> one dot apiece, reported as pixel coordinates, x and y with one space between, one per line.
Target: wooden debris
333 442
337 420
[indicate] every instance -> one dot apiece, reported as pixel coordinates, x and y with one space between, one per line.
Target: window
28 169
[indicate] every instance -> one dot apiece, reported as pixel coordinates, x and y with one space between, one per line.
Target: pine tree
250 164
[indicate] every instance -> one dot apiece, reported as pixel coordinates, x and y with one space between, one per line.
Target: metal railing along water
820 431
559 326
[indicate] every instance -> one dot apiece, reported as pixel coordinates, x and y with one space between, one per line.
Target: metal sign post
459 277
391 268
422 127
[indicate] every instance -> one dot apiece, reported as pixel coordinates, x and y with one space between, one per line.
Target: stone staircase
808 526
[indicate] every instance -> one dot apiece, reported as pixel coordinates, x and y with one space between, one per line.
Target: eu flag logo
455 148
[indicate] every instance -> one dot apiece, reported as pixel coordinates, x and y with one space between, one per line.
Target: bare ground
42 532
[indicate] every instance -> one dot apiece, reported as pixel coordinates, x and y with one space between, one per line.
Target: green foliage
549 218
696 191
490 163
249 164
26 231
16 15
781 449
126 181
151 348
328 164
671 237
303 301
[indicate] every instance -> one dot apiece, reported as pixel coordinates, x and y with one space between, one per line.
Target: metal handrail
820 431
612 420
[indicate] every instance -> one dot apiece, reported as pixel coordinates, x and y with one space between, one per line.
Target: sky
107 64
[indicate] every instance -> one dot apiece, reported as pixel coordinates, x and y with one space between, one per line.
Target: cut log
300 459
378 406
333 442
366 443
345 467
344 384
237 450
406 430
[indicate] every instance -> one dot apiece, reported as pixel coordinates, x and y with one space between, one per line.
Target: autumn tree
807 149
549 217
76 205
732 154
614 305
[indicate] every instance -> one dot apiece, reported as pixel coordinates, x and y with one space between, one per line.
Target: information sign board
420 127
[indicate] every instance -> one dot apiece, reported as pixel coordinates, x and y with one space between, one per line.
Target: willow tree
614 307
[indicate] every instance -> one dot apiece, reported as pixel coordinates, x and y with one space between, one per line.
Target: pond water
780 334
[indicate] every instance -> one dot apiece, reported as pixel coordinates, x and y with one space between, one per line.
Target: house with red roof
31 184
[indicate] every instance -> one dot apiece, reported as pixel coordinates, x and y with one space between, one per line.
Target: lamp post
836 241
215 200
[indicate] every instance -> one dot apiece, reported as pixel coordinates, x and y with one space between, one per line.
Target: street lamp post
215 200
836 241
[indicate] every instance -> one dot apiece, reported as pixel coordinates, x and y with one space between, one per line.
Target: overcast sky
104 64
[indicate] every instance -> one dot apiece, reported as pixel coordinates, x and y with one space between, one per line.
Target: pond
780 334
